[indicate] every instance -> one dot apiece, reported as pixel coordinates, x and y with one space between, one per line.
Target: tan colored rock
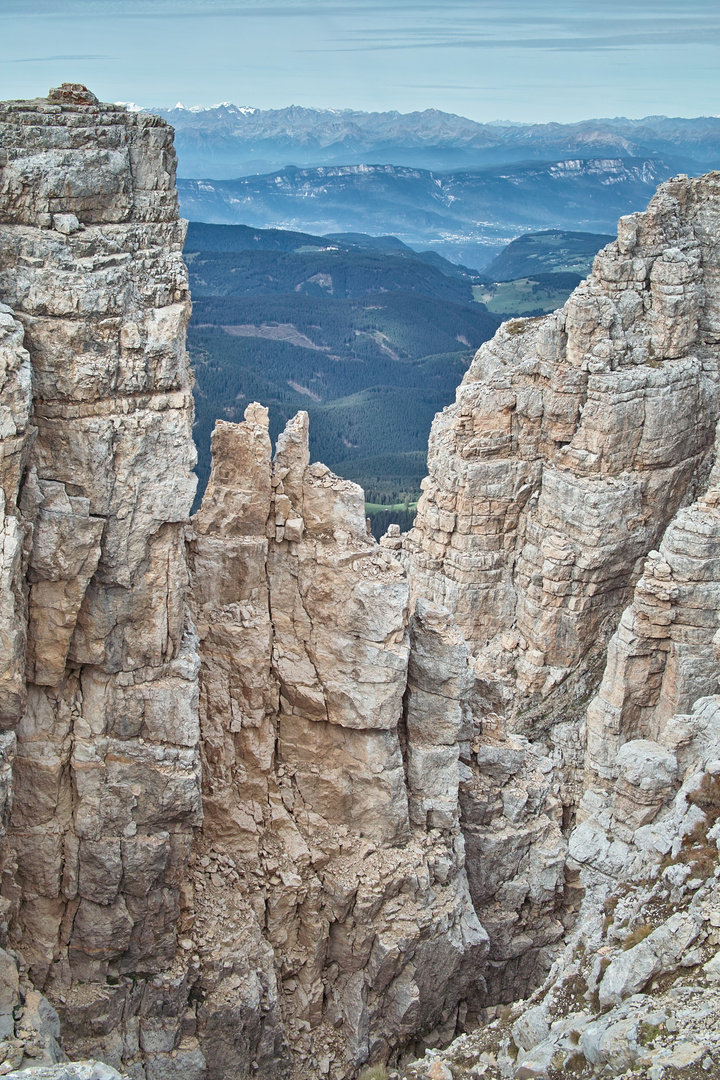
437 714
99 668
305 649
572 443
238 827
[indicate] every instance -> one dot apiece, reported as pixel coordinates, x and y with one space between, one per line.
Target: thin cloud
621 42
67 56
177 9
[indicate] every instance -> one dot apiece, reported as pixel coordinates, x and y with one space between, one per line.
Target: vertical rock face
277 800
99 673
342 817
572 443
321 915
575 447
634 987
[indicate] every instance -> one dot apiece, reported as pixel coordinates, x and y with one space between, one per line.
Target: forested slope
366 334
372 342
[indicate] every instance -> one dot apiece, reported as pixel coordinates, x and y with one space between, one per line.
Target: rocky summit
283 802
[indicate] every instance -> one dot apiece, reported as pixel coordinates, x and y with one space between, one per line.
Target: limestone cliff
341 822
625 530
279 801
99 684
232 829
576 443
572 443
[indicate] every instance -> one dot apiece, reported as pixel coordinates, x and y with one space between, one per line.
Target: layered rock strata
265 783
99 684
635 990
572 443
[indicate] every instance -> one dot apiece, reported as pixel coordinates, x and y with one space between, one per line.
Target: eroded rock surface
99 684
280 801
341 821
572 443
634 991
232 843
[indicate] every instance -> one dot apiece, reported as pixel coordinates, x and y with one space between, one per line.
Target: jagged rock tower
99 670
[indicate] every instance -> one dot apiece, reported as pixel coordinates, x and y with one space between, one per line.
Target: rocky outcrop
573 441
280 801
577 446
99 667
634 992
340 819
232 830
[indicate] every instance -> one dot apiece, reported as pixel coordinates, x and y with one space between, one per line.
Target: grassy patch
537 295
375 508
636 936
647 1033
375 1072
697 852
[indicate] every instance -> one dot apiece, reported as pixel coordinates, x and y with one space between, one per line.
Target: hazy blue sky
487 59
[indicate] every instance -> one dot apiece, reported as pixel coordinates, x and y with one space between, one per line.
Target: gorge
280 801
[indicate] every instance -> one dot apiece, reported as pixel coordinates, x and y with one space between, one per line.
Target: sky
522 60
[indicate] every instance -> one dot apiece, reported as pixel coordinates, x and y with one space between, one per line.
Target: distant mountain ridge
466 216
227 141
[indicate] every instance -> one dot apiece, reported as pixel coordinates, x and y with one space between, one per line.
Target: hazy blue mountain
465 216
228 141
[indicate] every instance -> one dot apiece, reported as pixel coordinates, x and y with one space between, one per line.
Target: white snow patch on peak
246 110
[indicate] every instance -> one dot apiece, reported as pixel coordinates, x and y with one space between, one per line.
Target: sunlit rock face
563 485
340 804
98 695
573 441
635 990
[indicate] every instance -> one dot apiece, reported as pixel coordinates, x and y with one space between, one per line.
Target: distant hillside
536 272
466 216
528 296
228 141
547 252
371 342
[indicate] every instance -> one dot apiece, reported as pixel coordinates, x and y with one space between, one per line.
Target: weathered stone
305 651
324 810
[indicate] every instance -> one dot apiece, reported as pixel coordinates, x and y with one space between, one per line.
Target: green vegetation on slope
536 295
319 273
536 272
552 251
371 340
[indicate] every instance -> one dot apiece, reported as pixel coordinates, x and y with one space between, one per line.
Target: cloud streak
68 56
378 54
